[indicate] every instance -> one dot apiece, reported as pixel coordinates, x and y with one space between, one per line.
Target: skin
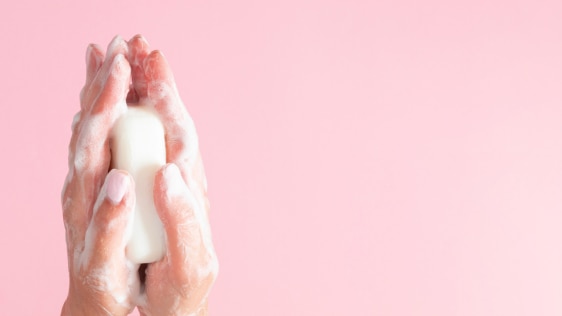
101 280
179 283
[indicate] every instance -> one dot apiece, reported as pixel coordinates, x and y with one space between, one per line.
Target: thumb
110 227
183 216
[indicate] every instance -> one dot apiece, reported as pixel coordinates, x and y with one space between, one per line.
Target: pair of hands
98 205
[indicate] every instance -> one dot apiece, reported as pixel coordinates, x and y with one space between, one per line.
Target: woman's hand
97 206
179 283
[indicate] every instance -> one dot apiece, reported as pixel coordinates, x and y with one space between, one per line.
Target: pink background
364 157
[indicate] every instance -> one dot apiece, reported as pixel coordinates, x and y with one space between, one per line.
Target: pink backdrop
364 157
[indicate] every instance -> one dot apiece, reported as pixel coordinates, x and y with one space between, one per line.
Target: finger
184 218
74 215
94 59
138 50
92 155
110 227
116 46
114 88
182 144
161 85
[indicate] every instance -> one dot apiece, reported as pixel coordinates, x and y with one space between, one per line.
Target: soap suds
93 136
75 120
89 143
103 281
181 134
175 184
176 187
102 278
87 157
114 45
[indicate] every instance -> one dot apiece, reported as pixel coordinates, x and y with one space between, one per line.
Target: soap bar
138 146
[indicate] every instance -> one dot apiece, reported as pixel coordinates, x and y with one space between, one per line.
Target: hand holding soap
138 146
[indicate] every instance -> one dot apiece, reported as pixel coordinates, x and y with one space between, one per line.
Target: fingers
114 89
109 102
160 80
100 270
138 50
102 102
110 227
184 218
182 145
117 47
114 77
180 283
91 144
154 83
161 89
94 59
89 154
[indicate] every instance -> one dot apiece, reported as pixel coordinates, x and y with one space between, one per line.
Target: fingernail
116 186
175 186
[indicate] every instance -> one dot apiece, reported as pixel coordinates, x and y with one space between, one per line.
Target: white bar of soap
138 146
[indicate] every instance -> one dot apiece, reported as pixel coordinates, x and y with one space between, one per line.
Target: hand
97 216
179 283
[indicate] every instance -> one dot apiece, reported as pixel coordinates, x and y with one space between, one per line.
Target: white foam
75 120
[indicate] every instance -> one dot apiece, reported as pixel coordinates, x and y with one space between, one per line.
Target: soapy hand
180 282
97 206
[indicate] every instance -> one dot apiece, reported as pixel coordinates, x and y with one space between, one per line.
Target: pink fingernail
116 186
